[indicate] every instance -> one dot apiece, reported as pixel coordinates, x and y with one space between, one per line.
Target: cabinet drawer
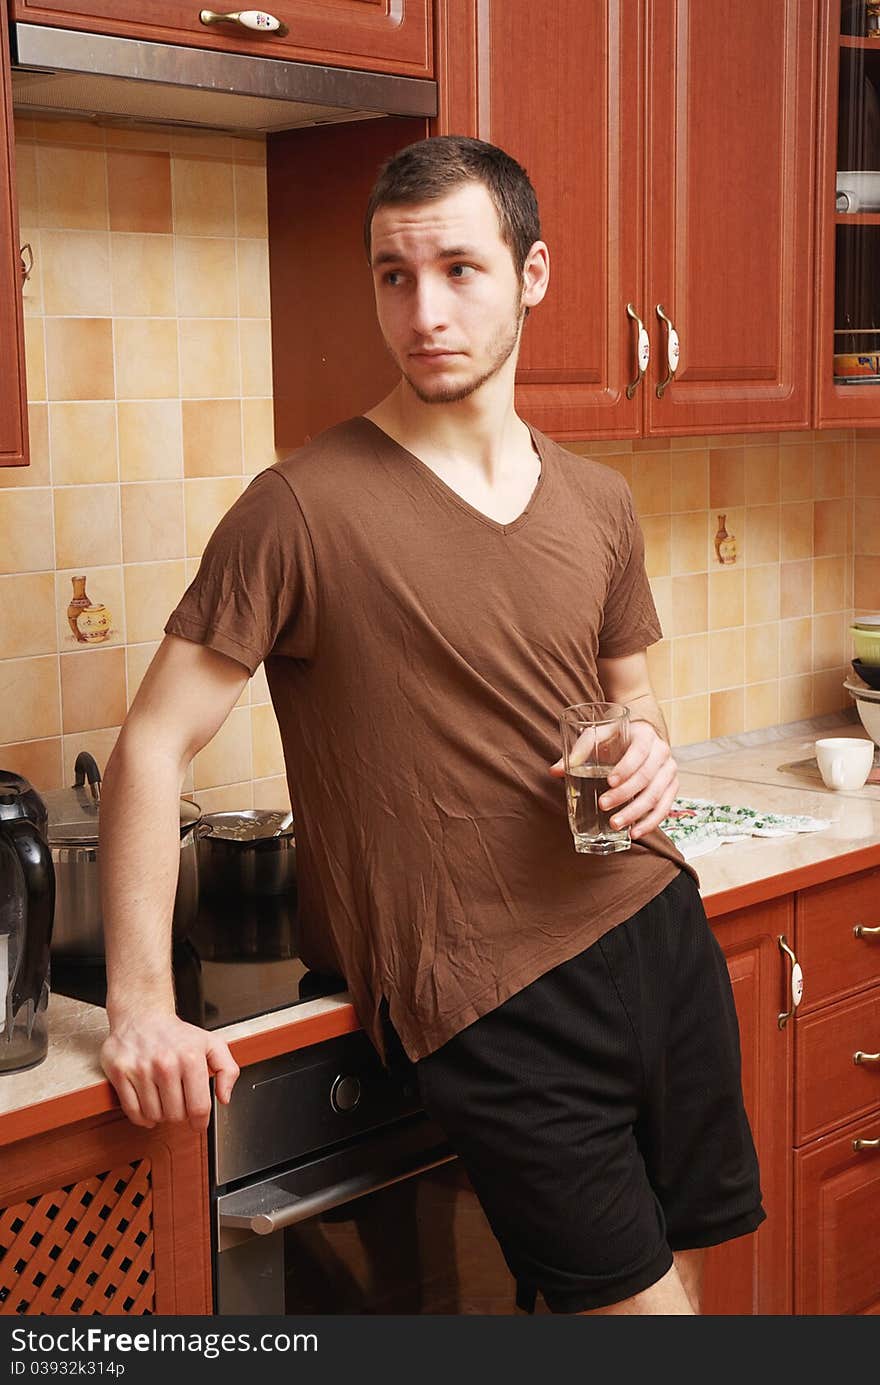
835 959
837 1229
830 1086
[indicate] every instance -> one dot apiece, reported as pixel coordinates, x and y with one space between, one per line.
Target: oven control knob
345 1093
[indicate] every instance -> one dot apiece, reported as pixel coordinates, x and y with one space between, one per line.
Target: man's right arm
159 1065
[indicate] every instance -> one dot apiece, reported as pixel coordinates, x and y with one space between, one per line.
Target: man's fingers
196 1087
225 1070
128 1100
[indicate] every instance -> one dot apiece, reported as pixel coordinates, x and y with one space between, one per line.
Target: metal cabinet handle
673 351
860 1057
257 20
27 262
866 1144
862 931
796 983
643 350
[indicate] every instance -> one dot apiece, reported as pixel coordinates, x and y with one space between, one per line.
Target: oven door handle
269 1206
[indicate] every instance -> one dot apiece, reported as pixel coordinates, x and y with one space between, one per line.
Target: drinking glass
595 736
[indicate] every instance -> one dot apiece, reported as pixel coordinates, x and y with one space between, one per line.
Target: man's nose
429 314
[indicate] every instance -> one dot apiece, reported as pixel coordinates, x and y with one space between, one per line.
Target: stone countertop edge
750 770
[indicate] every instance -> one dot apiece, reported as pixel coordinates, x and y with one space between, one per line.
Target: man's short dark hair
432 168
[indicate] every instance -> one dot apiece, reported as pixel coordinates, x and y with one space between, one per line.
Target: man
429 585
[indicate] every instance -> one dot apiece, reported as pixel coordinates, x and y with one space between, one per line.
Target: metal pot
247 855
72 834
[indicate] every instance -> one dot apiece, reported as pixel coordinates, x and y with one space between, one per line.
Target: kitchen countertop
770 771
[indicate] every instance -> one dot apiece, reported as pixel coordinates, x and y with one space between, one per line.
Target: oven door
388 1224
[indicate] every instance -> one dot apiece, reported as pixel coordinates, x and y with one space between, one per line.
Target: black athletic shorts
599 1113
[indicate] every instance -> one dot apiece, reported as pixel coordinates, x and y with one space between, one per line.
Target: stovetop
225 970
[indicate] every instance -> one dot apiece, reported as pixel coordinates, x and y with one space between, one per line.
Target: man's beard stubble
503 349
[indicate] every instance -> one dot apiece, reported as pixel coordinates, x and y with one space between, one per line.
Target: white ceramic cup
844 761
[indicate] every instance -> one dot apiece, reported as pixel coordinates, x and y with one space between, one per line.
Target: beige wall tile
35 357
866 589
86 526
867 467
762 652
38 473
255 337
829 694
206 276
204 204
258 686
32 286
209 144
762 594
829 584
138 658
26 526
268 755
152 590
38 761
226 759
659 658
103 587
726 712
650 444
271 793
726 658
139 184
152 521
79 357
795 474
249 148
762 467
72 187
829 469
211 437
690 665
206 503
690 720
761 705
230 798
651 483
76 273
150 440
209 362
29 698
250 202
733 523
143 275
690 542
98 743
258 426
92 689
27 622
690 603
726 478
866 536
831 640
796 529
762 524
83 442
830 526
656 531
796 698
620 462
26 181
146 358
138 137
253 278
48 129
726 598
688 480
661 590
795 646
795 589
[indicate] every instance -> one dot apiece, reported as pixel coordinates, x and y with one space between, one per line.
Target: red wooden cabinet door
752 1275
730 208
13 397
380 35
838 1224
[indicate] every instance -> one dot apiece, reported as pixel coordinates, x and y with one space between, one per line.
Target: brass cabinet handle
643 350
673 351
860 1057
257 20
866 1144
27 262
862 931
796 983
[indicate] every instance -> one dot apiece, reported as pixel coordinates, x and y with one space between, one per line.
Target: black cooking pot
246 855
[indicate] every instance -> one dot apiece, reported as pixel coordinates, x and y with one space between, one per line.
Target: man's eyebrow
452 252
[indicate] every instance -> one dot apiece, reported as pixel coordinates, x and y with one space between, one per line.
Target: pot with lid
72 834
247 880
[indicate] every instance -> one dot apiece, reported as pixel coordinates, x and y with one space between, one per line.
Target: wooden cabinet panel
838 1224
379 35
835 960
13 397
730 211
830 1087
753 1274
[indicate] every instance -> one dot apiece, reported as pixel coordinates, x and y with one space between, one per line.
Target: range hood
70 73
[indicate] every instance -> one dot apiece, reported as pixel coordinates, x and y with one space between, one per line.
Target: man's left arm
645 780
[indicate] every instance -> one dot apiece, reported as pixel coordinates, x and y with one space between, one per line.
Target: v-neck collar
458 500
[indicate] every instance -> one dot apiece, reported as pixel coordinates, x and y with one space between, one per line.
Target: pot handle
86 768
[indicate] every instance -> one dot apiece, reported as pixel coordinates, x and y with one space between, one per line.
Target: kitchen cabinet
752 1274
13 394
847 385
837 1098
107 1218
378 35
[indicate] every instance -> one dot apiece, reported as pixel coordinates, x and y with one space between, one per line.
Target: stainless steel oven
334 1193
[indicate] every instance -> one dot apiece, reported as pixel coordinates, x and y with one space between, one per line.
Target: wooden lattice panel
83 1248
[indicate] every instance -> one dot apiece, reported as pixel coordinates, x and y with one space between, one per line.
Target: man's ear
536 274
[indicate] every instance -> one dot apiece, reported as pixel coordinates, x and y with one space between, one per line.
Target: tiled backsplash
149 380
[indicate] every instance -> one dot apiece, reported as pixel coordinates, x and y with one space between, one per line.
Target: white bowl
868 707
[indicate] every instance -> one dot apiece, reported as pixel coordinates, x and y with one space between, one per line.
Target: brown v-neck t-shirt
418 654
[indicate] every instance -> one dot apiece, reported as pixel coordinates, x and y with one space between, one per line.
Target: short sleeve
255 593
630 621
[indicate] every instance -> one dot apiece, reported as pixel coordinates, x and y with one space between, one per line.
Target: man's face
448 298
